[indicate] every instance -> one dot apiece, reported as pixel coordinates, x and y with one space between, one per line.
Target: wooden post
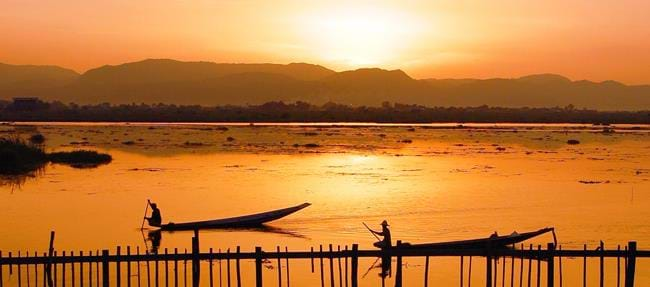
462 271
346 266
503 272
19 275
238 269
618 267
148 269
469 272
128 266
71 271
631 264
331 267
184 269
286 249
258 266
228 267
2 269
584 267
90 270
322 274
105 277
167 268
559 259
45 255
35 270
175 267
512 268
539 265
97 267
209 262
339 262
55 270
312 259
196 269
354 272
11 266
62 269
398 273
220 273
279 268
488 267
550 268
118 273
81 269
426 272
155 272
602 264
530 264
48 268
495 268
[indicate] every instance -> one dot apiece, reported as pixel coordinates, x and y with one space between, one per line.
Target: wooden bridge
171 268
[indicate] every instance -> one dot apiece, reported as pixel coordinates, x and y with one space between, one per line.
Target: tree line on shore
279 111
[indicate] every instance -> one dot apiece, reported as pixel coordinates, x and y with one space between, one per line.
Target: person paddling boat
385 233
156 218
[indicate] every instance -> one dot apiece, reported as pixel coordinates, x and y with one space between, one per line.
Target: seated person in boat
385 232
156 218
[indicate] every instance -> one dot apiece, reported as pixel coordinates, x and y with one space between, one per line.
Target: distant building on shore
25 103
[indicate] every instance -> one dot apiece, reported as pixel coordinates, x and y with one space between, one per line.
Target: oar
146 208
146 246
375 235
370 268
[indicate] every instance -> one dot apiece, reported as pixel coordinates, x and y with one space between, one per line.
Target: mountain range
206 83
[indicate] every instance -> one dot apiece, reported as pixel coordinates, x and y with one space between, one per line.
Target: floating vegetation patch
37 139
80 158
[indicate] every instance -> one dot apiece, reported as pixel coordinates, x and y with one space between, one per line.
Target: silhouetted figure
385 232
156 218
154 237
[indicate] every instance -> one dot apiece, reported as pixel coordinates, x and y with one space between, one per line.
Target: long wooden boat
493 241
233 222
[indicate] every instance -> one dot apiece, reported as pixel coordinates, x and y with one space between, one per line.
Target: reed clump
18 157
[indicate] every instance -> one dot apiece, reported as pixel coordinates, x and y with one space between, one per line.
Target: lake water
431 182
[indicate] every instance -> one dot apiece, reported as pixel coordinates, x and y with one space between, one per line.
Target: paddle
375 235
146 208
373 265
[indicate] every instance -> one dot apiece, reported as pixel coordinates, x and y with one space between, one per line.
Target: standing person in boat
156 218
385 232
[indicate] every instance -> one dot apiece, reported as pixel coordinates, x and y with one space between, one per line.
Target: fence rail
105 263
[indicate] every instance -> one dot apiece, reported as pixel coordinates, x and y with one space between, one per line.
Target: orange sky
596 40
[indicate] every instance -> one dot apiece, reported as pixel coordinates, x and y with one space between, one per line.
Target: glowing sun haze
596 40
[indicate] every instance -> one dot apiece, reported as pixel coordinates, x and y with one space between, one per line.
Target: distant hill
165 70
206 83
28 80
545 90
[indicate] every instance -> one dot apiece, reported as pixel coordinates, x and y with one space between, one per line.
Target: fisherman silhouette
385 232
156 218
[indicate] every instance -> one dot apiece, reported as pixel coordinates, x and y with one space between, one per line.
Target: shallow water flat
431 182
